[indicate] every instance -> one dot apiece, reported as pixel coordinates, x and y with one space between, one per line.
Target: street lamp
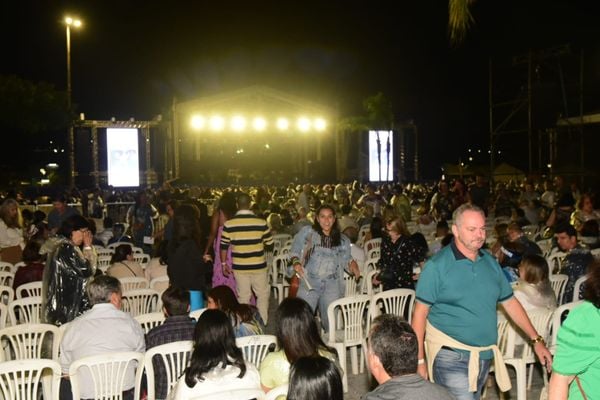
76 23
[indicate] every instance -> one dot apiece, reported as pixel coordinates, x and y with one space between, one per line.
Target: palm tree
459 20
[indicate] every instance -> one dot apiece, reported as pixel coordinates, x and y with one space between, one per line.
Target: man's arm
558 389
419 320
516 312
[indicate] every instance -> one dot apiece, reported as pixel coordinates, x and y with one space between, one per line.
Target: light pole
76 23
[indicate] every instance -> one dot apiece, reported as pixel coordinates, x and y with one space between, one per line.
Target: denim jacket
323 263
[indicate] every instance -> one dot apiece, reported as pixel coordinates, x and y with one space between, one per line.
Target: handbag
295 279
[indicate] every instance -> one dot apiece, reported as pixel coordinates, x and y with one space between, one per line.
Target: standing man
250 237
455 314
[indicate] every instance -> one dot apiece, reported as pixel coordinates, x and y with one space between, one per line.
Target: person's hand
543 355
376 281
355 270
226 269
299 269
422 370
207 258
87 239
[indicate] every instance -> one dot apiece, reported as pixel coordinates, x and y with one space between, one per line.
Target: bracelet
87 247
537 339
421 361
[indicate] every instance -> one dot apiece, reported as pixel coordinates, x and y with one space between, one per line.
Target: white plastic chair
31 289
160 283
556 322
577 287
24 379
140 301
3 315
282 238
256 347
530 231
108 372
362 232
555 262
352 286
18 265
239 394
595 253
103 263
27 341
352 333
277 271
142 259
372 244
374 253
102 252
175 357
519 359
113 246
196 313
559 283
7 267
29 311
150 320
6 278
7 294
133 283
396 301
368 286
545 245
274 393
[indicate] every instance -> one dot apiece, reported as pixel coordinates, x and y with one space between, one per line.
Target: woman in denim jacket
321 254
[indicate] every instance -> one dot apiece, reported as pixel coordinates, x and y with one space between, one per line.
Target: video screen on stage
123 157
381 156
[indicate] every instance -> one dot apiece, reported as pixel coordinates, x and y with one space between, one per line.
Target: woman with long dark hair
320 255
186 267
245 318
216 364
297 336
315 378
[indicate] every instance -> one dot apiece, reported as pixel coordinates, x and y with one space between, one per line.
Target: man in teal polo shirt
457 295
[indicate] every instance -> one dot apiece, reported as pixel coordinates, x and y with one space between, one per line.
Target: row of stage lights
238 123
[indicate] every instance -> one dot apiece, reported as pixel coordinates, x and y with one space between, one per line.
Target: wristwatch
537 339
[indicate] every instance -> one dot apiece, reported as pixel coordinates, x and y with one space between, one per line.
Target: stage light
283 124
320 124
238 123
198 122
217 123
259 123
69 20
77 23
304 124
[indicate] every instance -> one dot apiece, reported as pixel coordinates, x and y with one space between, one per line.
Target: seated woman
123 264
315 378
245 318
216 364
33 270
297 336
533 289
157 266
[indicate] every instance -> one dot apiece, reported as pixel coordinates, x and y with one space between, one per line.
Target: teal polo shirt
462 295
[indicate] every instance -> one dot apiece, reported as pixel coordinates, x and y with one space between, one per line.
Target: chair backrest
559 282
108 372
102 252
256 347
396 301
30 289
133 282
557 320
352 286
374 253
140 301
160 283
113 246
7 294
595 253
274 393
353 311
137 250
555 262
3 315
196 313
7 267
372 244
25 379
577 287
6 278
142 259
362 232
175 357
507 334
239 394
282 238
28 341
25 311
277 269
530 231
150 320
368 286
545 245
103 263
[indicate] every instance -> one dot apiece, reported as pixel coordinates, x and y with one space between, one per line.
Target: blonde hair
398 225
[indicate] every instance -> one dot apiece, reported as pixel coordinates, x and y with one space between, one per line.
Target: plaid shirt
174 329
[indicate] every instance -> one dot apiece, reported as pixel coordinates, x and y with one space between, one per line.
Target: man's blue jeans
451 370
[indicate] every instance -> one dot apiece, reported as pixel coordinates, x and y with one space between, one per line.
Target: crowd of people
214 245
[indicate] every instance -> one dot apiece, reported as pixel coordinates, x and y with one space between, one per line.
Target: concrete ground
360 384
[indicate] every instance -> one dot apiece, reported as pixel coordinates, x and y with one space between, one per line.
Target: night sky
131 58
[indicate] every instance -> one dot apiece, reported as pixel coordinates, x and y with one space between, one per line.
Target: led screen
381 156
122 156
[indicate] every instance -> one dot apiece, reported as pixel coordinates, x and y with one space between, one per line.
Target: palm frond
459 20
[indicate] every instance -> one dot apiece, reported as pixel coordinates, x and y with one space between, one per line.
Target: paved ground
361 383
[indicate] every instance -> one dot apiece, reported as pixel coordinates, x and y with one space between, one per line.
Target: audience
123 265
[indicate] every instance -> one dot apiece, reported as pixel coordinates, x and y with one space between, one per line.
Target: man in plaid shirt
177 326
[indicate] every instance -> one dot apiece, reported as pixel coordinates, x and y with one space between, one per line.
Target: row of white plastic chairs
33 349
